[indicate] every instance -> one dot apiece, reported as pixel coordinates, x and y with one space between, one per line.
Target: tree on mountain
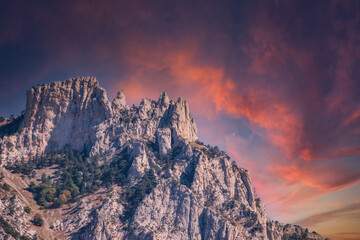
6 187
38 220
27 209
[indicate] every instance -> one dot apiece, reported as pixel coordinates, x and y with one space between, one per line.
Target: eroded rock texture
198 192
57 115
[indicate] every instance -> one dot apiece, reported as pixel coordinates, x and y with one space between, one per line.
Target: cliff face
167 121
58 114
197 193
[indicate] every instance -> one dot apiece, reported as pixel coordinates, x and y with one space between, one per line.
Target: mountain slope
166 184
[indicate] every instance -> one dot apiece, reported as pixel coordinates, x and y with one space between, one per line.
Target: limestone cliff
58 114
196 191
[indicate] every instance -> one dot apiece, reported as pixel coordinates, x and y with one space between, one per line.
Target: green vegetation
27 209
6 187
38 220
294 236
11 126
170 158
257 228
77 175
257 200
136 193
212 152
50 194
10 230
25 168
116 171
128 115
167 160
252 218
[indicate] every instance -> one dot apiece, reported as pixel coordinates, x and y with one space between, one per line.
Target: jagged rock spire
119 102
163 100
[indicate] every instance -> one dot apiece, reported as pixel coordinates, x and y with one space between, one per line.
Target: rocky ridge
58 114
198 192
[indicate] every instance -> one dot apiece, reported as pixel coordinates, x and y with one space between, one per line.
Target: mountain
91 169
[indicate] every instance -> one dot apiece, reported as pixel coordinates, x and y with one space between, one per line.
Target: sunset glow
276 84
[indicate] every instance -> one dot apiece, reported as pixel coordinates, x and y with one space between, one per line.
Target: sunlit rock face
119 103
57 115
76 113
164 121
197 192
164 140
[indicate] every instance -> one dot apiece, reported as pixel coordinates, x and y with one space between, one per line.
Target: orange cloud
289 71
352 117
351 211
316 178
211 92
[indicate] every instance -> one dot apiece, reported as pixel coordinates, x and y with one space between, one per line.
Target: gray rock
119 103
57 115
164 140
198 192
140 162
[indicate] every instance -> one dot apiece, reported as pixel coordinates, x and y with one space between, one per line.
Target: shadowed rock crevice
10 126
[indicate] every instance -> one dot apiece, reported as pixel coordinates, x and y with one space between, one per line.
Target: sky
276 84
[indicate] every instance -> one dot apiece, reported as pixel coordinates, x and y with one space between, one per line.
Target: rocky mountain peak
144 174
76 113
76 94
58 114
119 102
165 121
164 100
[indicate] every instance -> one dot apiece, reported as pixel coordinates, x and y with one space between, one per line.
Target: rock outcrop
57 115
119 103
164 140
196 193
150 121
